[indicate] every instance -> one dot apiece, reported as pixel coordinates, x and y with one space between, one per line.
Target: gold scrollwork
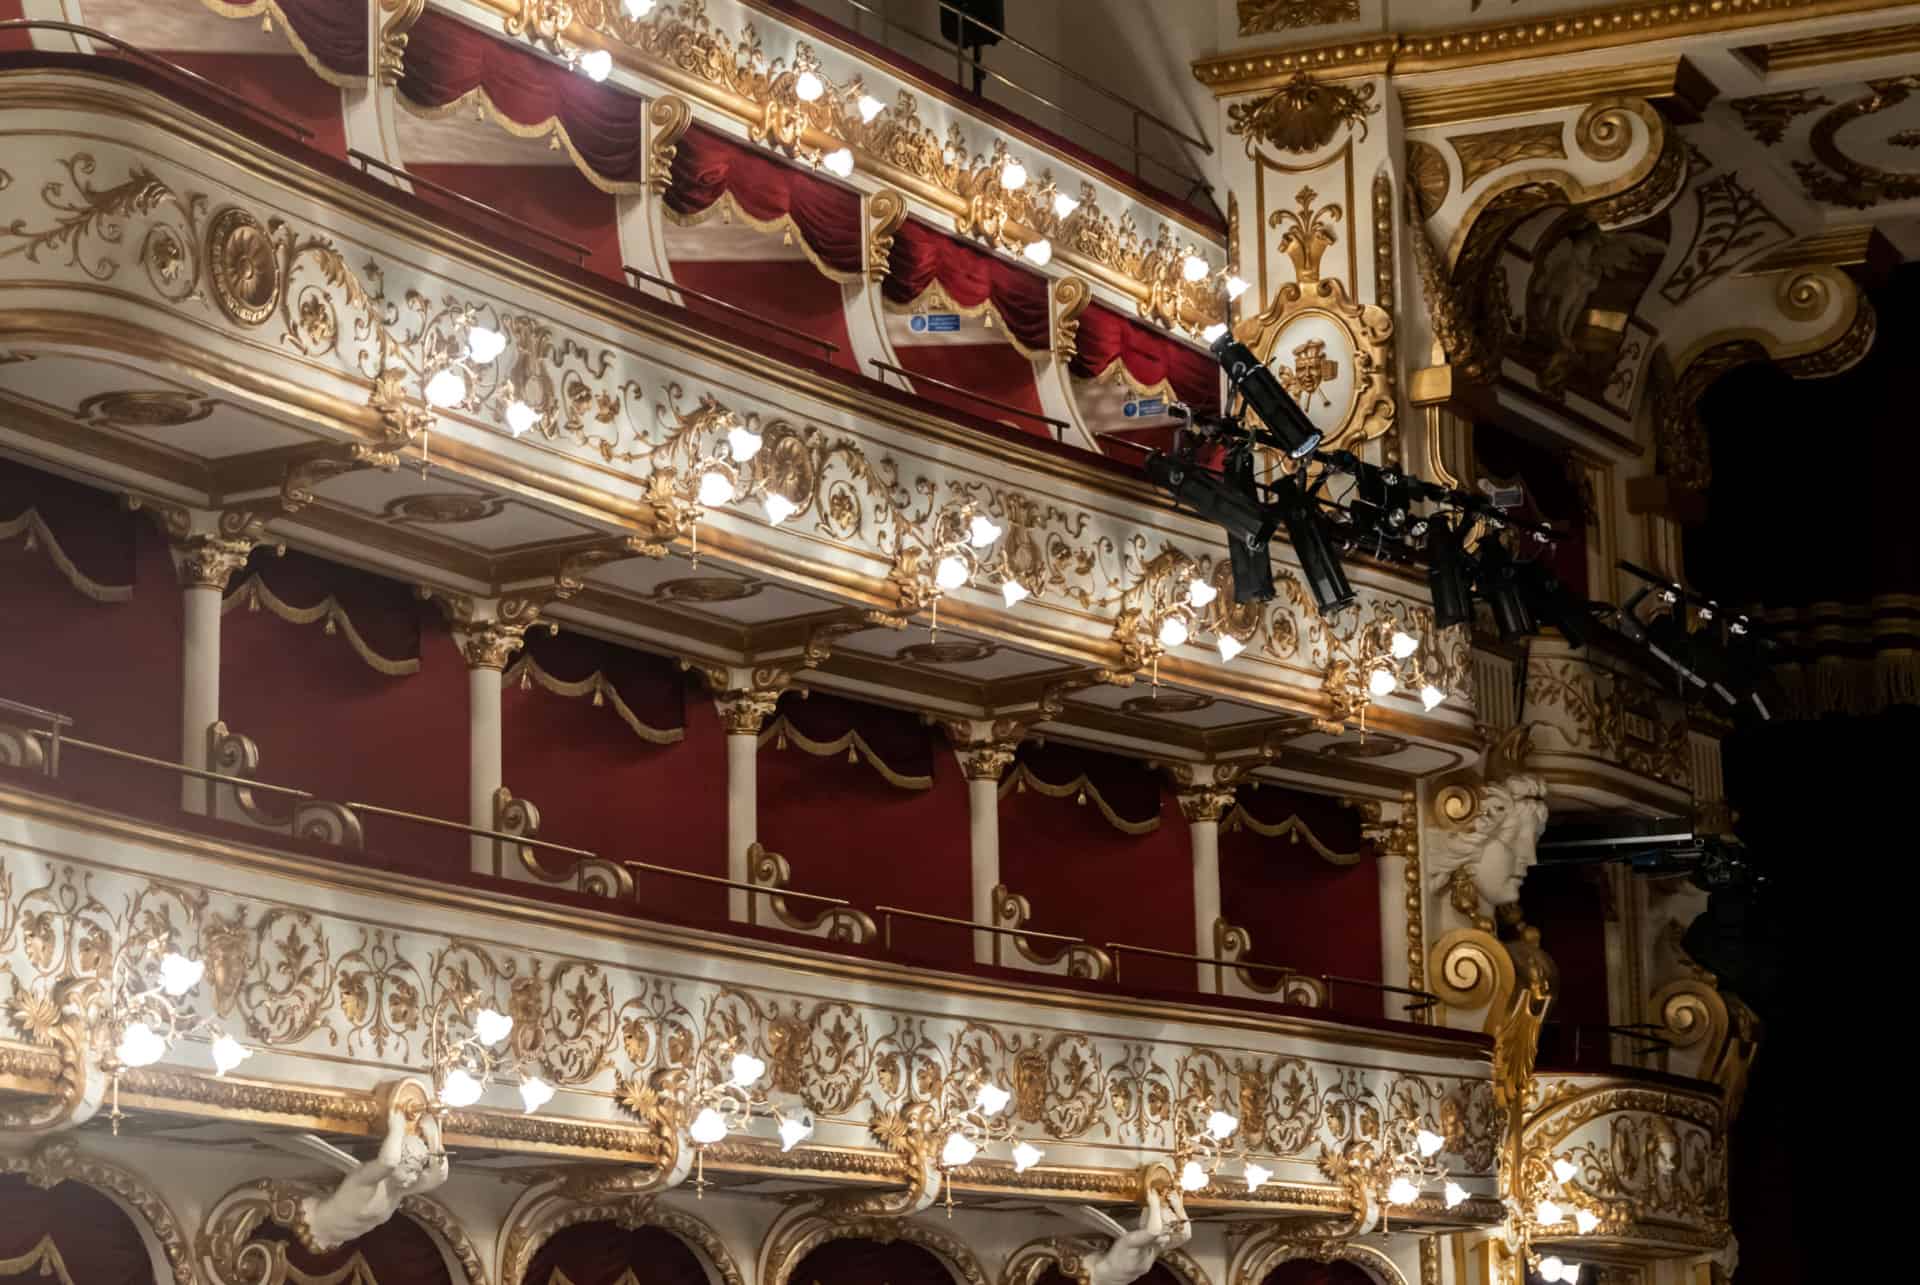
1302 115
61 1160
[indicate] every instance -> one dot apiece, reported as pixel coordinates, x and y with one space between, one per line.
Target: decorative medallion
1302 115
1331 353
706 589
1260 16
245 268
160 408
1427 173
1164 703
1370 746
444 508
954 651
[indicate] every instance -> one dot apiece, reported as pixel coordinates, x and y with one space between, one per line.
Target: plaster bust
1163 1226
1496 848
411 1162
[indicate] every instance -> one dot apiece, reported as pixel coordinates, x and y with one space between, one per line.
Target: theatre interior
949 642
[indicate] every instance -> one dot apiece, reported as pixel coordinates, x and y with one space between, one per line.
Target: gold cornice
1832 247
1487 44
1669 77
530 917
1838 46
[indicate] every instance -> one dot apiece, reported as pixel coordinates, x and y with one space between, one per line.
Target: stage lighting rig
1288 427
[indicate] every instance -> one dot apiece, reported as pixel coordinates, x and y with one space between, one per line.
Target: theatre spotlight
1292 430
1498 582
1313 545
1231 502
1551 601
1449 576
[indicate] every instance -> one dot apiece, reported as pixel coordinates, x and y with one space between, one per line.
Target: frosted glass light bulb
178 974
140 1045
490 1027
1431 697
992 1099
708 1127
535 1093
228 1053
1236 286
1038 253
1213 332
779 508
484 344
1550 1268
1546 1213
1192 1176
1257 1176
959 1150
1455 1195
598 65
1025 1156
1403 644
460 1089
982 531
639 8
1200 593
743 443
1429 1142
1173 632
446 388
1194 268
1014 592
1402 1192
746 1069
869 108
794 1131
520 417
808 87
1064 205
716 488
1230 647
1222 1125
1013 176
1380 682
951 572
1565 1170
1585 1221
839 163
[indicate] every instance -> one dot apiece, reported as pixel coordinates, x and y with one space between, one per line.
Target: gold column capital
986 748
209 561
1206 791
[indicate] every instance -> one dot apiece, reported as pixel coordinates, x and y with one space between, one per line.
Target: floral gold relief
245 267
1303 115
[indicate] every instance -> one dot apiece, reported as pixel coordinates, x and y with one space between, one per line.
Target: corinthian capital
1206 790
745 711
209 561
491 631
986 748
491 644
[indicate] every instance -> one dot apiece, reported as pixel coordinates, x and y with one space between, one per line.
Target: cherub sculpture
411 1162
1163 1226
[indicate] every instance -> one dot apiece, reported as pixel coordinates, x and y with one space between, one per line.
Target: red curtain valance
96 1242
1316 822
602 1253
896 743
601 127
379 618
971 278
647 692
770 194
1147 355
331 37
88 534
1126 790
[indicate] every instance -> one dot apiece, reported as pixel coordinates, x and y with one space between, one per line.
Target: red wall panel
1303 910
791 292
114 668
995 370
280 83
553 198
601 787
848 833
1087 879
13 40
1568 904
327 722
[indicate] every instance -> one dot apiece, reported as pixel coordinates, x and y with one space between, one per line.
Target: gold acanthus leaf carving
1484 152
1260 16
1302 115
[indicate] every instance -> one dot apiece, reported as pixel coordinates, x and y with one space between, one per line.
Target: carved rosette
245 266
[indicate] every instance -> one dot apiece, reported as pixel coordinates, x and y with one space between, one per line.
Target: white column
487 646
743 813
199 686
1396 842
1204 830
983 834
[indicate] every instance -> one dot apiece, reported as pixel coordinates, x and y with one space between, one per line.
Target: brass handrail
765 889
1059 425
1197 183
888 912
198 81
574 248
197 773
1422 999
748 313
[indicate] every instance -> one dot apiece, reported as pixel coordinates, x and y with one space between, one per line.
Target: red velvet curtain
1552 495
601 1253
13 41
1569 905
96 1241
1129 788
705 165
281 83
972 277
899 740
446 59
1148 355
870 1262
1303 910
333 31
1301 1271
397 1252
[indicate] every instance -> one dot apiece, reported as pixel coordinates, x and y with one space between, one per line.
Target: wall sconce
139 1012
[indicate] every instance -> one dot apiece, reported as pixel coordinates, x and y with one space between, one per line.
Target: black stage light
1381 502
1668 639
1449 576
1313 545
1550 600
1252 570
1233 502
1263 392
1498 582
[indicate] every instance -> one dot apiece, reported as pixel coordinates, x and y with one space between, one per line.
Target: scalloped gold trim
253 592
596 685
482 106
35 529
781 730
727 208
273 12
1022 776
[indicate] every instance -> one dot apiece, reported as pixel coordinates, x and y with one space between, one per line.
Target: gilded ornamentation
1383 286
1260 16
1302 115
161 408
1716 1034
1428 178
1011 910
444 508
886 210
668 117
836 923
244 265
209 561
1455 337
1485 151
1838 179
1371 406
1732 226
1618 718
391 56
1307 235
537 1221
1068 297
61 1160
1767 116
1663 183
1641 1155
1266 1249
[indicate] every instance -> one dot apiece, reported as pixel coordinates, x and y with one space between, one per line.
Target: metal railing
1647 1037
887 914
1059 426
746 314
192 78
1196 184
1420 1000
574 248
